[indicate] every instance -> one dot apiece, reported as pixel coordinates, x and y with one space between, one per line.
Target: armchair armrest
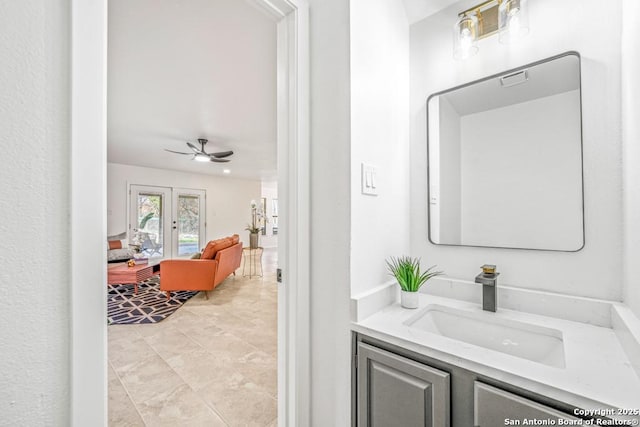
228 262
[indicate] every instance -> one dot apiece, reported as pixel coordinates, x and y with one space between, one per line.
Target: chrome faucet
489 281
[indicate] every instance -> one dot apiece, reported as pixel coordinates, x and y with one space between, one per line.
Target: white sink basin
489 330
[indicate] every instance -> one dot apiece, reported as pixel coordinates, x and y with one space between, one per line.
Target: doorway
166 222
88 210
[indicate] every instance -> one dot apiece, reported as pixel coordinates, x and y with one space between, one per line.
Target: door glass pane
188 224
150 232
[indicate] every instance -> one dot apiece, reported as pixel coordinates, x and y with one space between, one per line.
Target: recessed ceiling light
226 171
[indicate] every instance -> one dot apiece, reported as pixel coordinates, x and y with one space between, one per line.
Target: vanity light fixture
509 18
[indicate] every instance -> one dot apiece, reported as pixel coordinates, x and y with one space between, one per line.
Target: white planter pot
409 299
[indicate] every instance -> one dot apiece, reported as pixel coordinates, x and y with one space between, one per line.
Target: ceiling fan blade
221 154
194 148
213 159
178 152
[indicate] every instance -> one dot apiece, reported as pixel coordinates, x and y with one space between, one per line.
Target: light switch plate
369 180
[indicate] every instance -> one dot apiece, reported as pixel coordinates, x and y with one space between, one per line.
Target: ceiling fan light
200 157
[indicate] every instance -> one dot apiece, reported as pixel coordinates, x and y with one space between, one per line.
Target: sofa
219 259
118 248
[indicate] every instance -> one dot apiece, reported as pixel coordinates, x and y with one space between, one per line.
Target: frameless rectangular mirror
505 159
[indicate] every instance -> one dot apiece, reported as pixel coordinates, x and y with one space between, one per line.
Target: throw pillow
196 255
214 247
208 251
235 239
115 244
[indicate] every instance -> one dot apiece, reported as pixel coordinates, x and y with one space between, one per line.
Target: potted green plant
407 272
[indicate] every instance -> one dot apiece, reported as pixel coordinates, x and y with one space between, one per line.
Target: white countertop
598 373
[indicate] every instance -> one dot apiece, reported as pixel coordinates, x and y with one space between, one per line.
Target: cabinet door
396 391
495 407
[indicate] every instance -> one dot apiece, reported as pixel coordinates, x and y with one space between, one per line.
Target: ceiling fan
202 156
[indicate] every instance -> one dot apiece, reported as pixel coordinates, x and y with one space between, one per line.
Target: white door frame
170 234
88 342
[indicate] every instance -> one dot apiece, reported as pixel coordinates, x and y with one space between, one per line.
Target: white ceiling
417 10
179 70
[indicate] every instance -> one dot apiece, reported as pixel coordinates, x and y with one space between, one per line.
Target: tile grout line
162 358
211 407
184 381
206 403
126 390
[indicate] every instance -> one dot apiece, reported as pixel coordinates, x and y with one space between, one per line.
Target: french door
167 222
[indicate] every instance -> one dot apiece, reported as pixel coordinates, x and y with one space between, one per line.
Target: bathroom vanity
399 387
449 363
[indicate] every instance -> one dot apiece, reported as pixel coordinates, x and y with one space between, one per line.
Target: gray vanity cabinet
396 391
396 387
496 407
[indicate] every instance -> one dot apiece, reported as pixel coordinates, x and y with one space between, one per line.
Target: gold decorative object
488 269
131 263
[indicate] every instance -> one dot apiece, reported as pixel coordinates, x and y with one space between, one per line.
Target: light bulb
464 37
513 20
514 25
202 158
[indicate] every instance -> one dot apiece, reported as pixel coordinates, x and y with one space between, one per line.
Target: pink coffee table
123 274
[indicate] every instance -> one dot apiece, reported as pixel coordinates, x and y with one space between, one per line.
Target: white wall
330 220
379 136
556 27
34 212
228 209
523 192
631 150
270 192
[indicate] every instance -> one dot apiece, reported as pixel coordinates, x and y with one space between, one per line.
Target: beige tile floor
212 363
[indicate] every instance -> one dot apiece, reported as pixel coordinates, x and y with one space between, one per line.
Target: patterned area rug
149 306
